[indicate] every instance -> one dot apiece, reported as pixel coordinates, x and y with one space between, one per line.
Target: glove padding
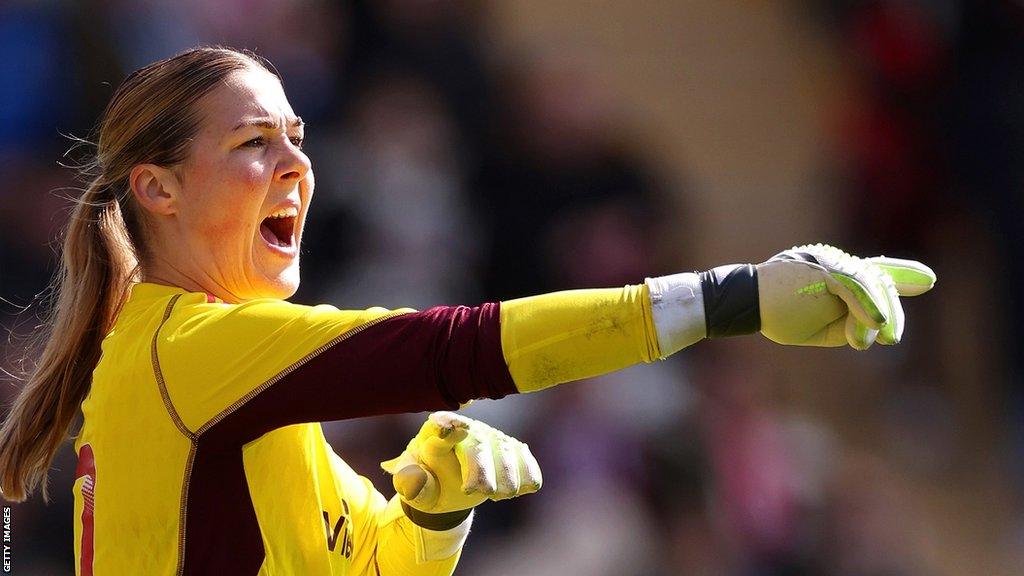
455 463
821 296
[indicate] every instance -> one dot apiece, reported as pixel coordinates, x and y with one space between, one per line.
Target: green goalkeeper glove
456 463
809 296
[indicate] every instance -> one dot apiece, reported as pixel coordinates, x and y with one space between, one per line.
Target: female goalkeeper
201 387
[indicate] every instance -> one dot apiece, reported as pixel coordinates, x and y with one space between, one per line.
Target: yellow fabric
210 356
264 336
564 336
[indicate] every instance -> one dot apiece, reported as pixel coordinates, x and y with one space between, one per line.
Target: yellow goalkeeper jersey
201 453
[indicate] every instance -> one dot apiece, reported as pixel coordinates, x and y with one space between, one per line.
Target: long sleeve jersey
201 450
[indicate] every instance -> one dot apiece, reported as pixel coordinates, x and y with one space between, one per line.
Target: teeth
285 213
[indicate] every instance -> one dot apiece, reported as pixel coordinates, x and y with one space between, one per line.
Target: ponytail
99 264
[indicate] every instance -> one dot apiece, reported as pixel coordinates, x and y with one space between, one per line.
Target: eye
297 141
255 142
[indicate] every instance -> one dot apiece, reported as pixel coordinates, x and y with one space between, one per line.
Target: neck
162 271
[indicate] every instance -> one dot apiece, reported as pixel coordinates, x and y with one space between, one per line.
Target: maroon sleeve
431 360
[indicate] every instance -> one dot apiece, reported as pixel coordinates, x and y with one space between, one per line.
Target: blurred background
477 150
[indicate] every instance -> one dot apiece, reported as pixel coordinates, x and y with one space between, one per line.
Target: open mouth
279 230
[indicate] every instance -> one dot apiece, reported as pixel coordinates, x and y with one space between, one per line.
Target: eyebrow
268 123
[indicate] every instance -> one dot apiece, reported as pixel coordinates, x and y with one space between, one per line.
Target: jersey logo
87 468
342 528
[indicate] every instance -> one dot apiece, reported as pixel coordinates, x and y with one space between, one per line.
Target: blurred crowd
451 169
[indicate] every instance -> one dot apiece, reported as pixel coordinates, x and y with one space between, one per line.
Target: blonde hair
151 118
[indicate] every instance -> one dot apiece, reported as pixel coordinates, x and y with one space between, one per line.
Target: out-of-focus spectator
872 524
304 39
437 40
769 473
987 120
33 214
396 172
35 49
935 148
892 138
568 205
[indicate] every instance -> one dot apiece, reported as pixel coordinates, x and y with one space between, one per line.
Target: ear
155 188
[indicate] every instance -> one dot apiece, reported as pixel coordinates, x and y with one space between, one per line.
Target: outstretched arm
316 364
809 295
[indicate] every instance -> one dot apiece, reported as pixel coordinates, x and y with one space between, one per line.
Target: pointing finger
910 276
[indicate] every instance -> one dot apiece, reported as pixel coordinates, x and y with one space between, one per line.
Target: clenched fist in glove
455 463
814 295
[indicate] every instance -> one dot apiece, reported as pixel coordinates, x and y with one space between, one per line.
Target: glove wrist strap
731 305
677 311
436 522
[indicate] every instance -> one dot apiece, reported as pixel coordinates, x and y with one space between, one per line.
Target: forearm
563 336
407 549
810 295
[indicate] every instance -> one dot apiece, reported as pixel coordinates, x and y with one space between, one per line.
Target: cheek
230 203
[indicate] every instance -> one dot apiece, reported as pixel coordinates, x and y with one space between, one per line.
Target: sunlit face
245 190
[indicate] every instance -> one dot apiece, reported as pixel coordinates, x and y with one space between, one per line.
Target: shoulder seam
168 405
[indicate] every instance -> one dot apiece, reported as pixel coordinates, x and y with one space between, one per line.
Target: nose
293 166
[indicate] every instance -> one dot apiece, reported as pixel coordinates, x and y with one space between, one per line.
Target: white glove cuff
430 545
677 308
